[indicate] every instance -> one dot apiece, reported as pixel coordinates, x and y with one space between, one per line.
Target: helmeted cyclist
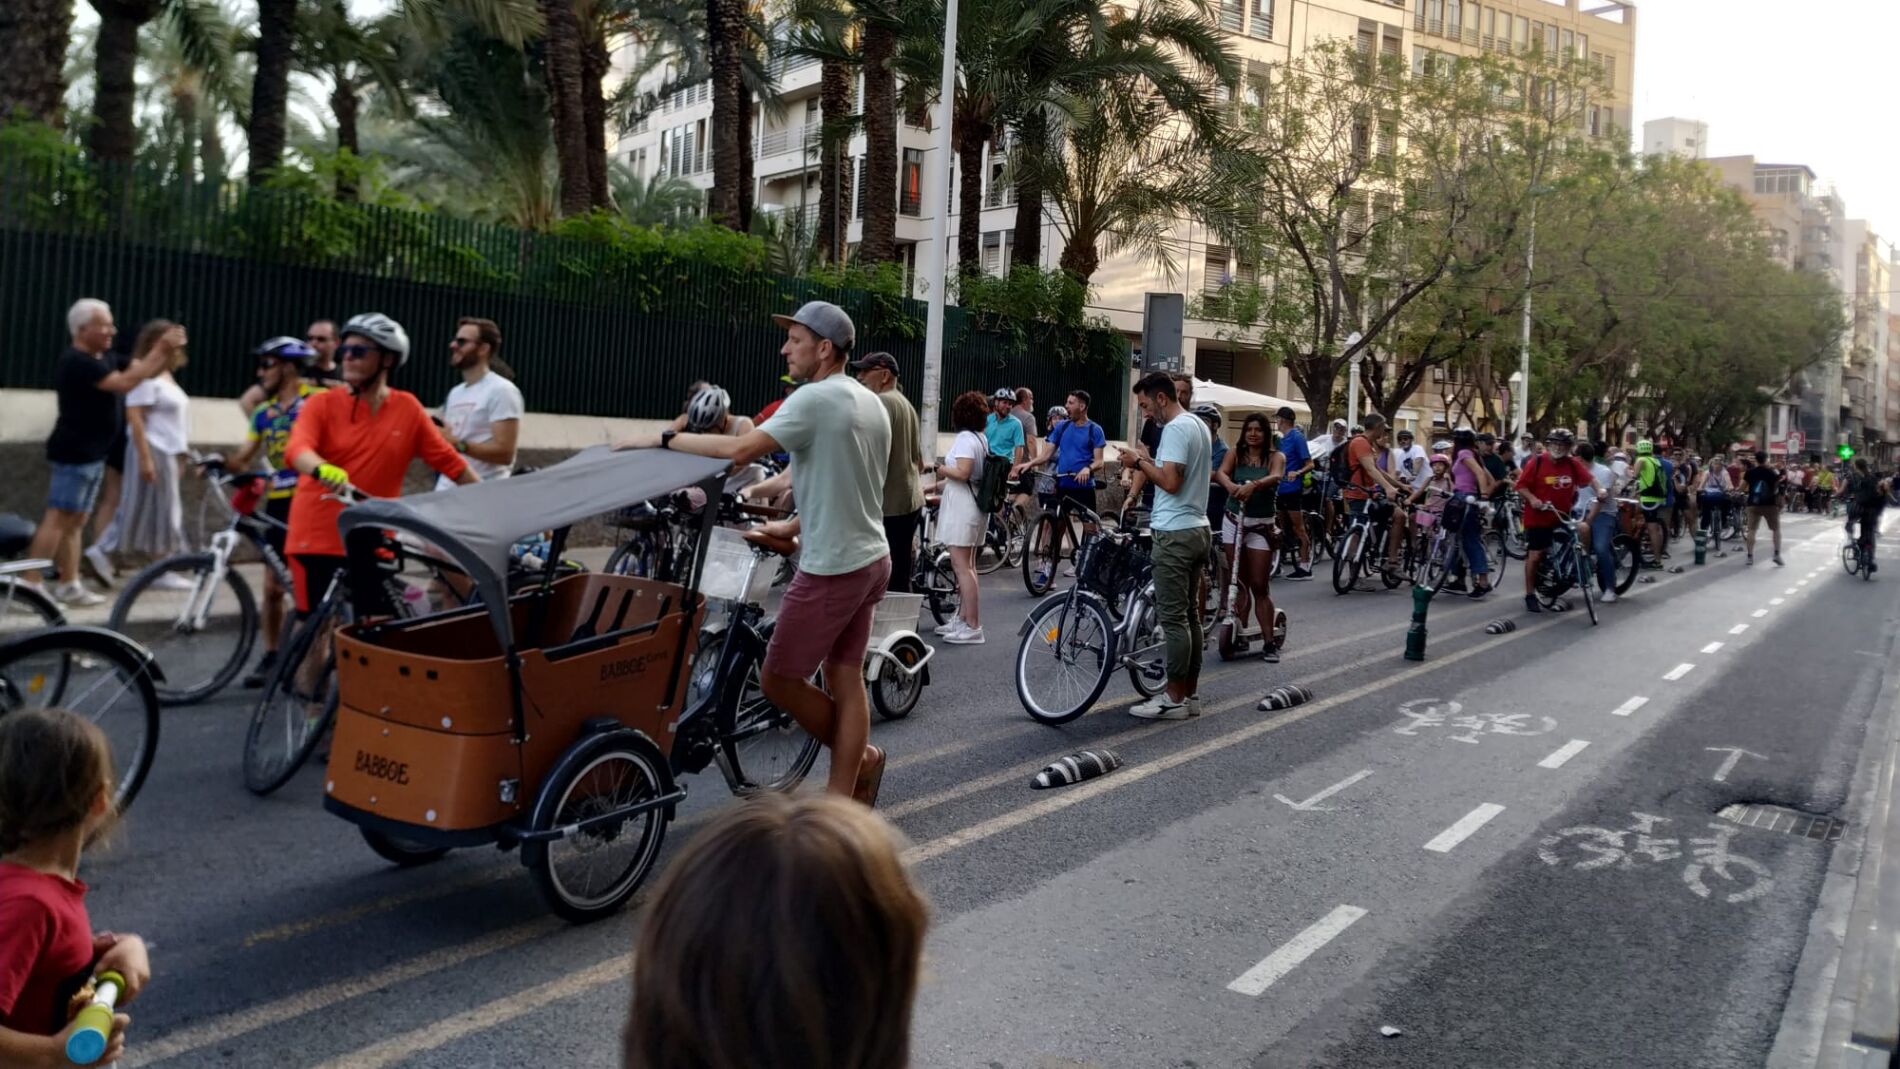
708 410
1866 495
281 363
364 435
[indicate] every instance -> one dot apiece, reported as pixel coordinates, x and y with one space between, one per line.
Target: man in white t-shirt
482 417
840 442
1408 461
1179 469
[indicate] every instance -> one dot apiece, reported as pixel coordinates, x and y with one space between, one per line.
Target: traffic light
1845 452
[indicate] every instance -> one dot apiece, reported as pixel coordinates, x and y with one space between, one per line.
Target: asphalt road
1515 862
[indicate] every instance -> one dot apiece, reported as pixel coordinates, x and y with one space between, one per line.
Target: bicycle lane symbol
1426 714
1711 868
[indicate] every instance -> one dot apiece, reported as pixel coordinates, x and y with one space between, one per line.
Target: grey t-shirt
1028 420
840 442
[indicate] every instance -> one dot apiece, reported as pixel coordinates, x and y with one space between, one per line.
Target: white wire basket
897 612
732 571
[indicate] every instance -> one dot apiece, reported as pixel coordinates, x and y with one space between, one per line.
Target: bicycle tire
260 778
1436 568
1018 536
1624 564
1149 676
1585 580
993 552
1088 614
1346 560
22 687
24 609
755 716
399 851
188 679
942 595
1042 553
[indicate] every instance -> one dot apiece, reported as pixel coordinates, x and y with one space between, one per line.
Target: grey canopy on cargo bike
475 526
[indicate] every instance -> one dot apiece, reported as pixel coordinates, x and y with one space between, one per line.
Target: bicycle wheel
1494 550
1147 652
1585 581
1623 556
24 609
96 675
200 633
1850 557
1018 536
1316 532
1437 566
1064 659
1393 571
296 708
590 871
941 593
400 851
1346 563
766 750
1512 539
1043 553
994 549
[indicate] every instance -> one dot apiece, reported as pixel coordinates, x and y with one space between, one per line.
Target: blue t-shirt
1075 450
1293 445
1669 481
1184 441
1005 435
1216 494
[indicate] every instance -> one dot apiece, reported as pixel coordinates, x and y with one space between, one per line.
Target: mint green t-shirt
840 442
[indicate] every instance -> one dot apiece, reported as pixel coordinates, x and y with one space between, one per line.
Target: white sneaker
1068 571
955 624
101 564
1162 707
173 581
968 636
1608 597
75 593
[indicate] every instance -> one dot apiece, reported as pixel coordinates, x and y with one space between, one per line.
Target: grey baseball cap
824 319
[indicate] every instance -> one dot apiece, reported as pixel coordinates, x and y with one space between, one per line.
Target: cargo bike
556 719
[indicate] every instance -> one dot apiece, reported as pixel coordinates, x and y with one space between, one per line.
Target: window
1361 138
1569 45
997 247
1550 40
1001 190
1523 34
857 202
1388 141
1215 266
910 183
1452 19
1596 121
698 142
1230 15
1262 24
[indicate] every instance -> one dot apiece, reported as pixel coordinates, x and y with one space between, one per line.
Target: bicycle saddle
16 533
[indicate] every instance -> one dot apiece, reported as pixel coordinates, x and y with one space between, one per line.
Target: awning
1232 399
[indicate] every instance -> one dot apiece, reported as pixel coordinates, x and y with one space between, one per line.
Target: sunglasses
315 338
457 343
357 352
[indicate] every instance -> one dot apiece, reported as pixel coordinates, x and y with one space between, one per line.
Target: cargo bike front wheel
597 824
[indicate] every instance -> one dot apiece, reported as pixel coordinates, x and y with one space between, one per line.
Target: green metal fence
592 327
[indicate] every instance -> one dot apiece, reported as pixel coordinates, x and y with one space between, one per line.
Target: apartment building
1265 34
1687 138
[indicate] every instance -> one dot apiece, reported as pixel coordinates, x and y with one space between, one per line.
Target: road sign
1796 441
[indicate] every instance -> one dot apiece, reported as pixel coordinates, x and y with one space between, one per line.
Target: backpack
992 486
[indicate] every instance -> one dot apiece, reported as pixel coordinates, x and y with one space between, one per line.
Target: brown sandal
870 777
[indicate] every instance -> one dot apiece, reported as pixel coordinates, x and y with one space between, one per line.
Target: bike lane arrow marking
1735 754
1312 804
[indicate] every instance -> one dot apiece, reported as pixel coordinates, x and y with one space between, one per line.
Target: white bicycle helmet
707 410
384 331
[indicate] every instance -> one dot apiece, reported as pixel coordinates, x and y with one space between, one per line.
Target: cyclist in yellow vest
1652 490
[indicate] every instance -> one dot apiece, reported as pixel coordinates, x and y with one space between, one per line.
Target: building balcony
798 139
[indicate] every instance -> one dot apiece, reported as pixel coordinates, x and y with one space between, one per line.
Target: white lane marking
1564 753
1295 950
1738 629
227 1027
1711 647
1759 613
1776 601
1799 582
1735 753
1792 590
401 1047
1630 706
1679 671
1459 832
1313 802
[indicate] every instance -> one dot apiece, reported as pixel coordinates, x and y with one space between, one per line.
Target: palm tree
114 137
885 22
725 43
34 35
189 98
655 202
354 58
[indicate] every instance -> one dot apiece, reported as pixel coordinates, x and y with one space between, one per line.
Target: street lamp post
936 262
1524 341
1352 380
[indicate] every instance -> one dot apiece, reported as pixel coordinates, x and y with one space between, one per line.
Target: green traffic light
1845 452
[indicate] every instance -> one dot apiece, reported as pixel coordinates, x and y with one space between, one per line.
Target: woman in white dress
960 523
150 518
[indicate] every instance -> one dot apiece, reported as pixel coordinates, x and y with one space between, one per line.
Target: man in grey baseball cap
839 439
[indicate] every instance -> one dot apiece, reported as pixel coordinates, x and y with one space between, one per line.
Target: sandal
870 777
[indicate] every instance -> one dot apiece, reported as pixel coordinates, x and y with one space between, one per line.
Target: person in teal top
1251 475
1004 431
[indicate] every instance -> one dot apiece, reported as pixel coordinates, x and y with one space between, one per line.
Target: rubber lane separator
1630 706
1445 840
1563 753
1712 647
1679 671
1738 629
1288 957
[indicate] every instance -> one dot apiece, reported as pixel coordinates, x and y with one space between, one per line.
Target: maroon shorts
826 619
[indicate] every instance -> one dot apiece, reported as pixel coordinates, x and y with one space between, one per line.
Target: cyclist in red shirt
1551 478
362 436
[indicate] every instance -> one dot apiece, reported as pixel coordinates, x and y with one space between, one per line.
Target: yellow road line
491 872
488 1015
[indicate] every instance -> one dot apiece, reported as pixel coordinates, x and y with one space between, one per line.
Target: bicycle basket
732 571
1109 564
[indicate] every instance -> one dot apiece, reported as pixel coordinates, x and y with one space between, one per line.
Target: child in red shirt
56 788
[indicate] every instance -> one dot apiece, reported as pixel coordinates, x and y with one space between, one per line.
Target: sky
1787 81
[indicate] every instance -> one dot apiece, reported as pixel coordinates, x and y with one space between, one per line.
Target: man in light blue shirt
1003 430
1179 471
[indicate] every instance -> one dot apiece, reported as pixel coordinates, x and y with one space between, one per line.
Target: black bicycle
1566 564
1044 551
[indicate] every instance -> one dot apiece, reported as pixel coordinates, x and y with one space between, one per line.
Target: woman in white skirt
150 519
960 523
